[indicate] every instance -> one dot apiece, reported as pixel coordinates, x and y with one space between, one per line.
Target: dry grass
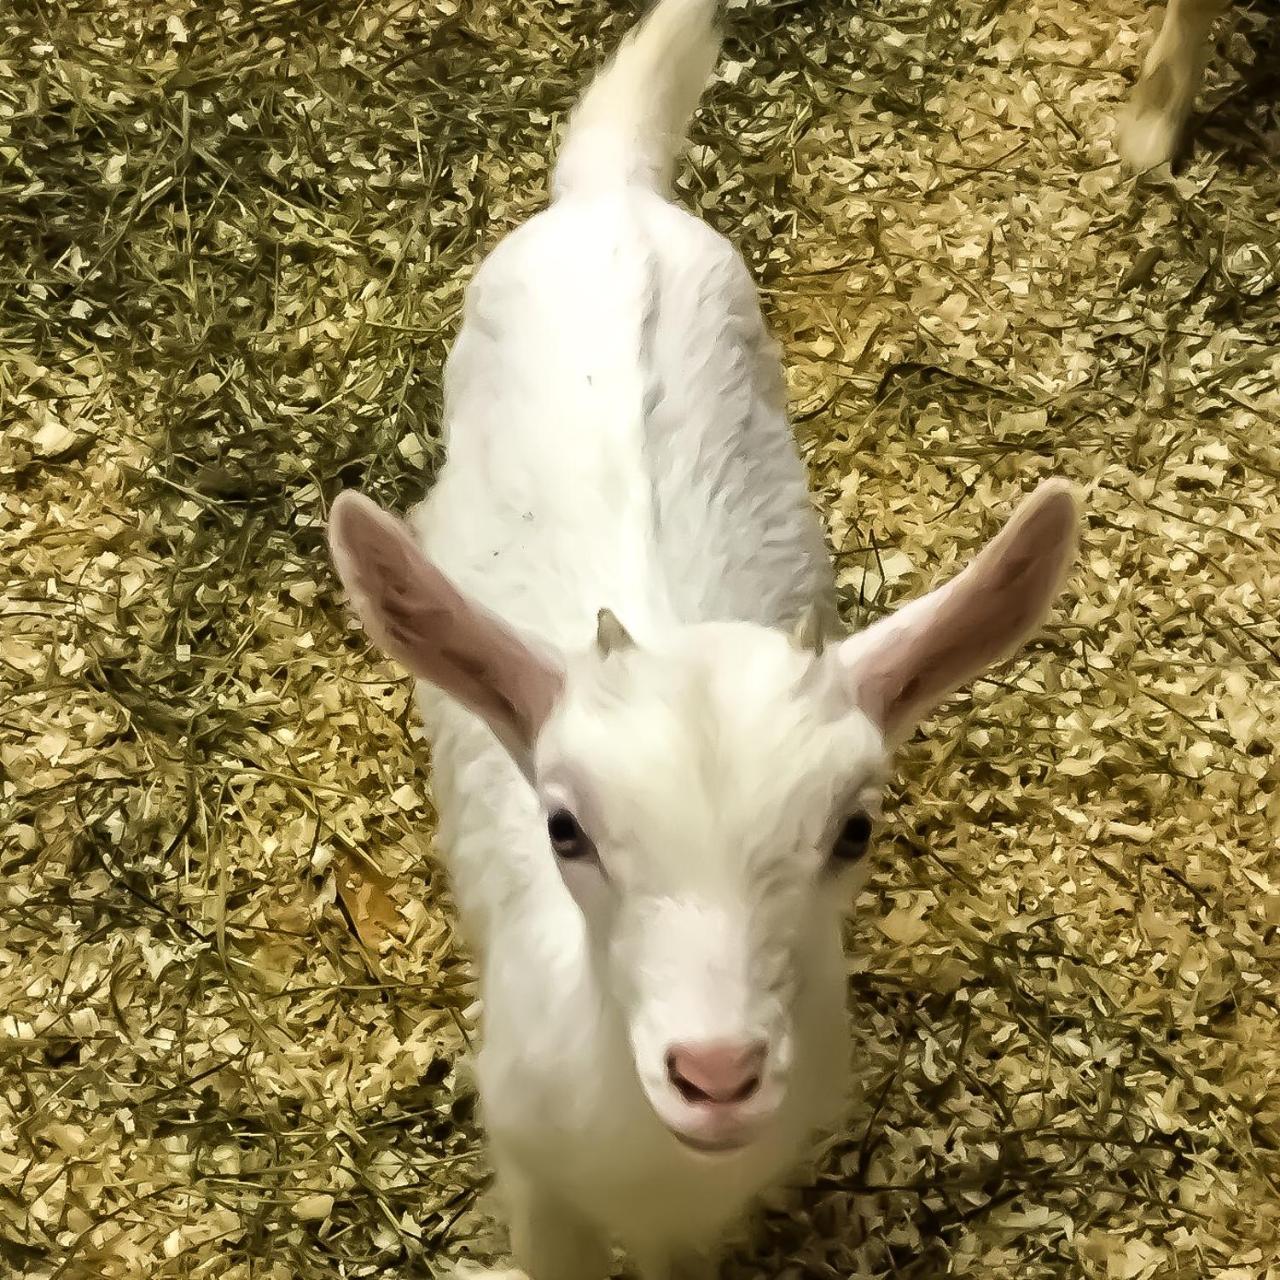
234 242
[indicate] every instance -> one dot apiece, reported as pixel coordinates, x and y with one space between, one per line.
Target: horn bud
611 635
809 633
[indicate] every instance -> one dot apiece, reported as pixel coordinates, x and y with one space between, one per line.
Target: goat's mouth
724 1146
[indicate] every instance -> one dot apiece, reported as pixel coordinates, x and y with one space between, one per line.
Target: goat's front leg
551 1240
681 1266
1166 91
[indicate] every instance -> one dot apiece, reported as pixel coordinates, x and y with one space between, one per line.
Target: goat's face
709 800
707 792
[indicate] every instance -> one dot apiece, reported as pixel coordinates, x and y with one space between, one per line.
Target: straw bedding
233 1013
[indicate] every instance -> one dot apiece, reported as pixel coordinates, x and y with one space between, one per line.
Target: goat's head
708 793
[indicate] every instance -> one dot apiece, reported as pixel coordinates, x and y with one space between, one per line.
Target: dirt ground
234 239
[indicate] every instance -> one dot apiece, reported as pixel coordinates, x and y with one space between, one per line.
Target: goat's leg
1166 91
683 1266
549 1239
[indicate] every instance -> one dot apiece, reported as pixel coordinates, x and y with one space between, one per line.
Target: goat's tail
631 123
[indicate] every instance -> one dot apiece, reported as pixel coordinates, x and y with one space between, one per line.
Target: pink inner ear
904 665
419 618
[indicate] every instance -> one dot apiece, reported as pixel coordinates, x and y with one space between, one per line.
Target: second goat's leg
1166 91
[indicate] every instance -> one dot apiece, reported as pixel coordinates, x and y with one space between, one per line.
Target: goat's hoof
1148 138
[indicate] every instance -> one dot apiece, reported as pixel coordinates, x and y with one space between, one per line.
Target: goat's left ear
899 668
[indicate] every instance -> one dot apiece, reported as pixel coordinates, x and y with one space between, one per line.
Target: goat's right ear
415 615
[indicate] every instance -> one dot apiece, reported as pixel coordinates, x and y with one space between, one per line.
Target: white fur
630 123
1152 125
617 438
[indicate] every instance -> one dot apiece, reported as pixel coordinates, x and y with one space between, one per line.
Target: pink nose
717 1074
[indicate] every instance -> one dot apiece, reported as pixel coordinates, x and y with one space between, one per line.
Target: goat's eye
567 838
854 839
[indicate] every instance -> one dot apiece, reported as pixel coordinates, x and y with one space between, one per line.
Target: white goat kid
1152 126
652 830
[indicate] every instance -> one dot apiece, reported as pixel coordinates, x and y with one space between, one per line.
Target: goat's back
617 432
